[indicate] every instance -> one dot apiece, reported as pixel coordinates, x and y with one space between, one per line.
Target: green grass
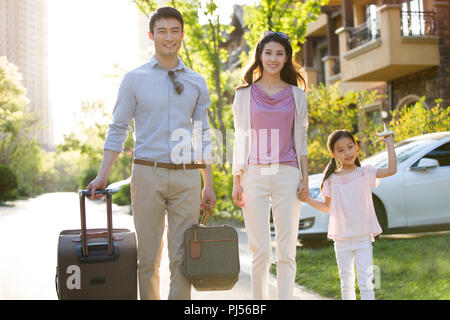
416 268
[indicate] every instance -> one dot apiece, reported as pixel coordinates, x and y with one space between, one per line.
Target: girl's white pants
357 252
266 186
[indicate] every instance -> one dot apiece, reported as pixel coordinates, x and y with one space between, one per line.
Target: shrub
8 184
122 197
418 119
88 175
223 187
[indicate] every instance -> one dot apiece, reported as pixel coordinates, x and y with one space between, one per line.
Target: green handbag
211 256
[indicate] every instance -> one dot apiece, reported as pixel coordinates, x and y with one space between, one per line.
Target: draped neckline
272 99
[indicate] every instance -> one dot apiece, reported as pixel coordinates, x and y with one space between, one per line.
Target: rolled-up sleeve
122 116
203 132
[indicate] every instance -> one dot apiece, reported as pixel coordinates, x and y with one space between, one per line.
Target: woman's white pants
266 186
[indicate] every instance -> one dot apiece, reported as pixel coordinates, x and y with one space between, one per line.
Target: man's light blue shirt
169 127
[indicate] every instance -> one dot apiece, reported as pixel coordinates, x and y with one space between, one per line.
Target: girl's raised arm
392 159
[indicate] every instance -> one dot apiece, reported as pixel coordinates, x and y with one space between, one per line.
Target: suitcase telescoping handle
87 193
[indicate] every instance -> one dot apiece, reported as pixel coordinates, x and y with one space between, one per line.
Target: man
167 101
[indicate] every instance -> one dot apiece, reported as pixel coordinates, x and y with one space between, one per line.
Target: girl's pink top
267 114
352 212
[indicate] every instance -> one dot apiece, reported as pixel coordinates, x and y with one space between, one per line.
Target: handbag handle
206 214
86 193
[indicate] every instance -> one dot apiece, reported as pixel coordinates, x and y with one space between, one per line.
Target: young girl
353 224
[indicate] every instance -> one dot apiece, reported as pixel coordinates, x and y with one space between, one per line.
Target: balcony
394 44
417 24
364 33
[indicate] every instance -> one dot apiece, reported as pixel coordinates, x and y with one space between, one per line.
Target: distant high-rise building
24 41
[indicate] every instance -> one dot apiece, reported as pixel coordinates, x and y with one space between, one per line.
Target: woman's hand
303 190
238 192
303 196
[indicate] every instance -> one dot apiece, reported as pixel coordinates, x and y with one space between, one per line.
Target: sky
86 39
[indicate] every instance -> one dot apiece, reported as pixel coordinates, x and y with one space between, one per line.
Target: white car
415 199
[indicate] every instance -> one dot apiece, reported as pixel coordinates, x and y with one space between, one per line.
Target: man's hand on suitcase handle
87 193
100 182
97 184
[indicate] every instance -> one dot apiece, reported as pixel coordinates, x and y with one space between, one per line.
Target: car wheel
381 213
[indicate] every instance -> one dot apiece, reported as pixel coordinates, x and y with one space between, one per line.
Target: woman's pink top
352 212
272 121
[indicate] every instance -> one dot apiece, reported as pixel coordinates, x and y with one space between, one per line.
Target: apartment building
23 40
399 47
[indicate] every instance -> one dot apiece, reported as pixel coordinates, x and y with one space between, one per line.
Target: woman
270 159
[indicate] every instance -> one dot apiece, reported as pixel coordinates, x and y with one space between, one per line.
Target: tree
289 16
14 119
329 110
88 142
201 51
419 119
18 149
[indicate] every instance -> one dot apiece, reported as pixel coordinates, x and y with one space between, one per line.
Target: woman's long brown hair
291 69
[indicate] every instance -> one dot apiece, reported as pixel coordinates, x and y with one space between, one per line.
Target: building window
432 88
373 21
373 113
415 21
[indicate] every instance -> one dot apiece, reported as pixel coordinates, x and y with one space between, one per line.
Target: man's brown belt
170 165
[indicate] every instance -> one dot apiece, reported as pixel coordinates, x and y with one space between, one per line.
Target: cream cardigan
242 128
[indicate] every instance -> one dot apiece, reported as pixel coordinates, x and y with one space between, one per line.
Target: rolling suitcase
96 263
211 259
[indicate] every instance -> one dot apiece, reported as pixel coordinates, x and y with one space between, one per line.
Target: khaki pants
153 192
266 186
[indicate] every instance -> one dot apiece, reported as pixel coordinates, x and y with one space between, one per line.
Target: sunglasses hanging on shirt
179 87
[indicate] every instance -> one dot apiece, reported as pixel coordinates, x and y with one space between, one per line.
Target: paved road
29 232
